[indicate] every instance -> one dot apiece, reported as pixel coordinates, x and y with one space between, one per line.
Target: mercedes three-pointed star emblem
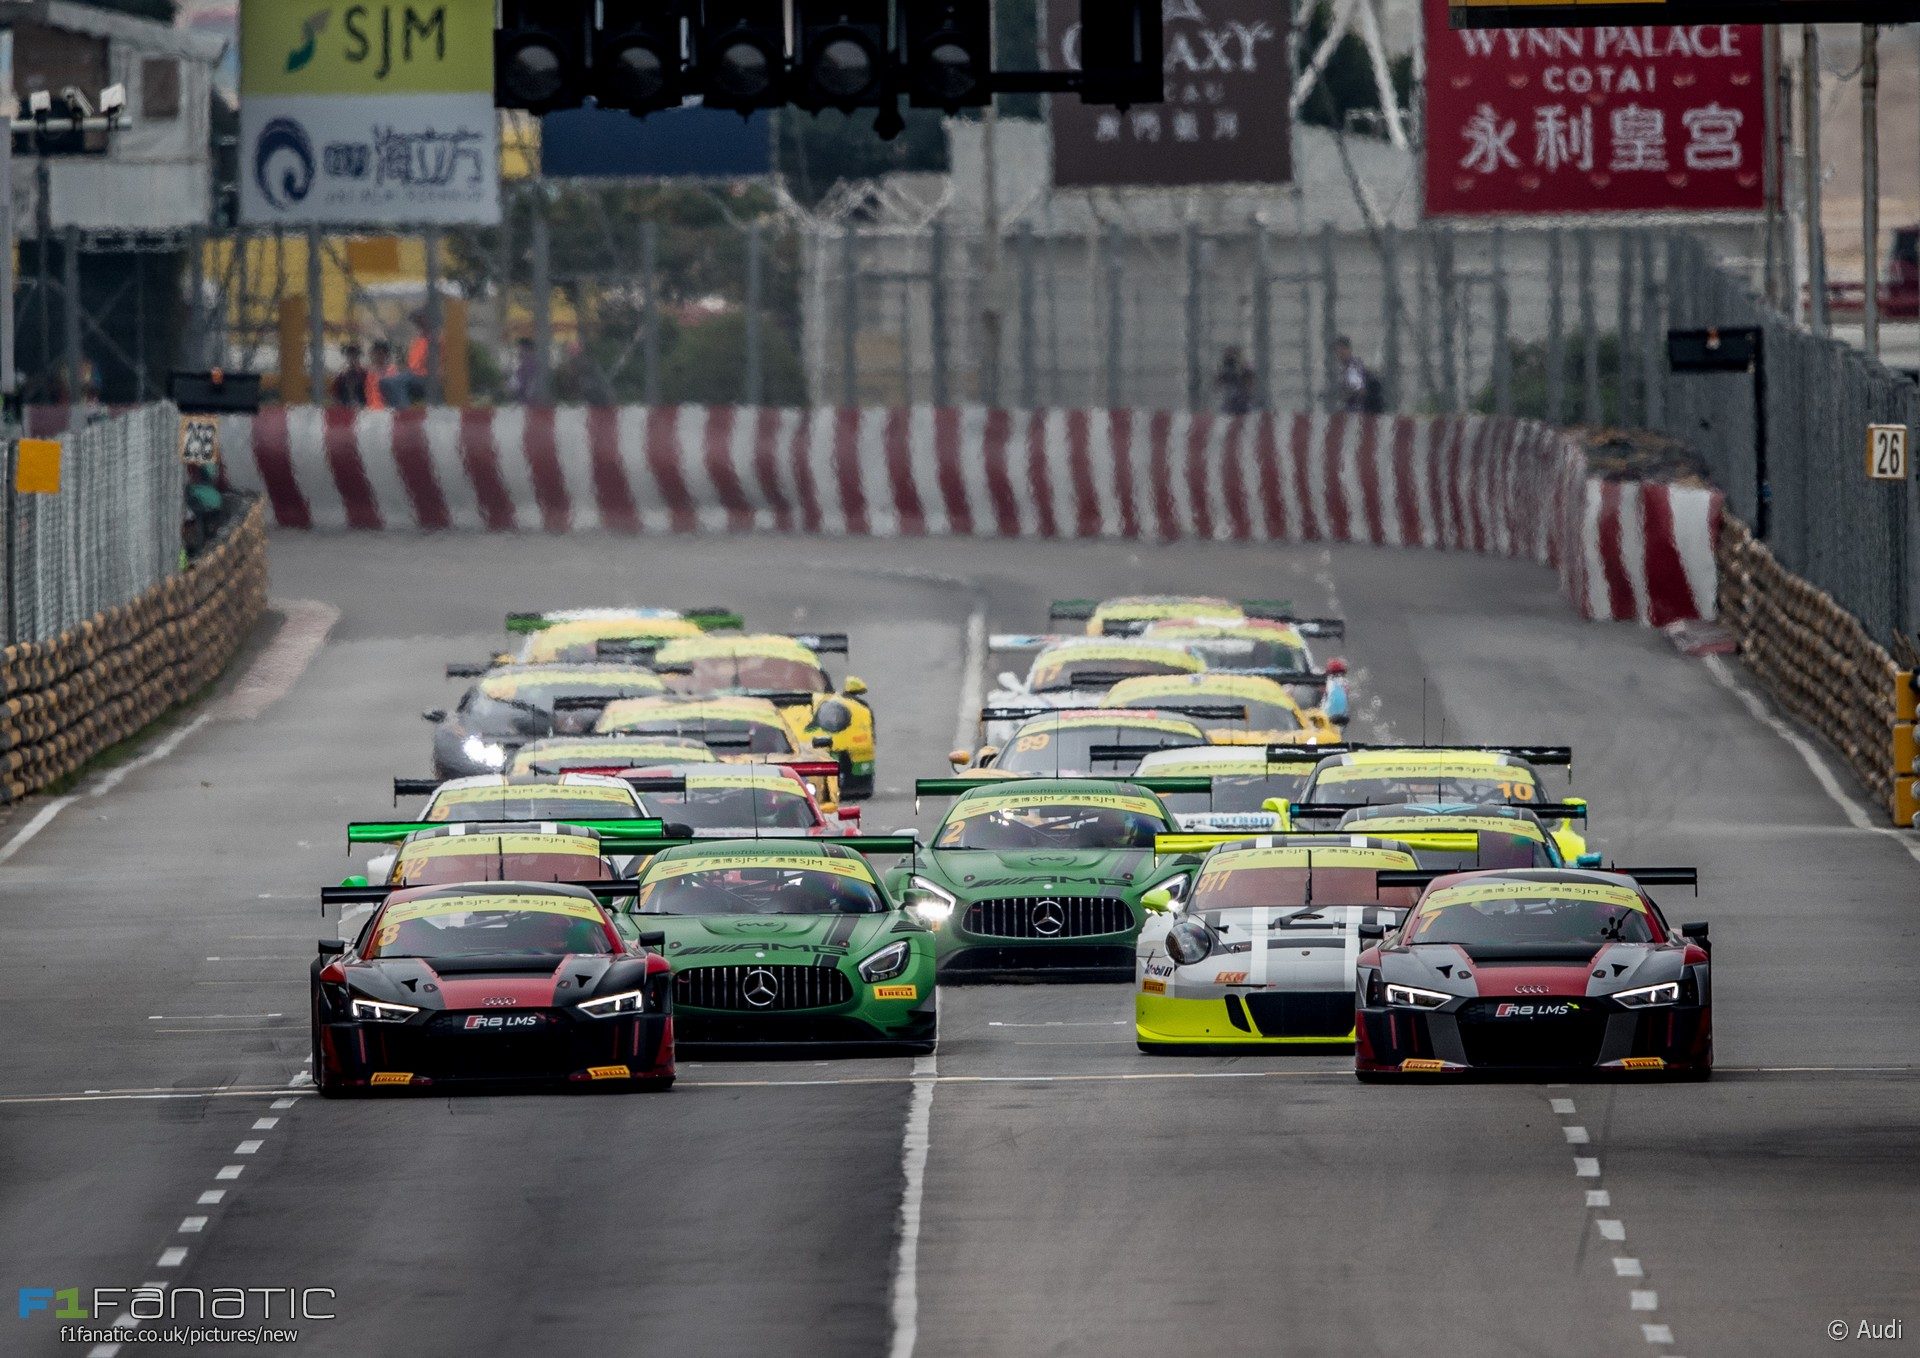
760 987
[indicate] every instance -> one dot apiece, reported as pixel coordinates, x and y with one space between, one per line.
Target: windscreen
717 673
730 737
1388 784
1261 716
773 885
1236 793
1250 653
549 802
466 926
1238 888
771 803
1069 749
1532 914
483 862
487 716
1055 672
1015 820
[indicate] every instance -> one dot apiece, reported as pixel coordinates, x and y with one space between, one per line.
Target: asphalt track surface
1078 1197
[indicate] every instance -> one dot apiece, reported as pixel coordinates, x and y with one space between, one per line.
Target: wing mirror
332 947
1371 934
652 938
822 742
356 880
988 753
848 813
960 758
854 686
1697 931
436 715
1590 860
1282 810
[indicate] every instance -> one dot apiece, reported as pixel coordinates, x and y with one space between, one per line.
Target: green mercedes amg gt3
1042 877
785 942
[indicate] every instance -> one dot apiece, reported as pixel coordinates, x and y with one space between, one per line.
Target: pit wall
1516 488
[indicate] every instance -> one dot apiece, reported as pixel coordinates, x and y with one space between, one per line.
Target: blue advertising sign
686 142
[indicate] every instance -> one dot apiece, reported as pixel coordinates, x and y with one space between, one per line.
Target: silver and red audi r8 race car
1533 970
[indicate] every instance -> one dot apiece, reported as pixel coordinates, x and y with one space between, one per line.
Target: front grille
756 988
1523 1042
1301 1014
1046 917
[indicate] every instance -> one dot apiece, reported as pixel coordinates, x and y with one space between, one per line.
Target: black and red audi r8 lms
1534 970
491 982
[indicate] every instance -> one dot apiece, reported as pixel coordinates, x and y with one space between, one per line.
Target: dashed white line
265 1124
1561 1106
172 1258
229 1171
1586 1167
282 1104
1656 1334
1599 1197
1611 1229
1576 1136
193 1225
212 1197
248 1147
1642 1300
1628 1268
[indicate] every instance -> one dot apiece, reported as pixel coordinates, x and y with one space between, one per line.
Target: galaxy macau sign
1549 121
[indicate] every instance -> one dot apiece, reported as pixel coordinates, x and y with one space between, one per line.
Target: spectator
1356 387
1236 383
419 356
386 383
349 385
524 386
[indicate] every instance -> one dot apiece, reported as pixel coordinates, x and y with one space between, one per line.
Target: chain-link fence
109 533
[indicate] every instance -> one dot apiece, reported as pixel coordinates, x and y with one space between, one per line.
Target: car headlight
832 715
484 752
1175 887
1189 941
380 1011
614 1006
937 904
1646 996
888 962
1413 997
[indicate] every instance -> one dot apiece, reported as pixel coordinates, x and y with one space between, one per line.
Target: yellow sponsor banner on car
609 1073
1473 893
572 792
665 869
393 1077
1020 801
1429 826
896 992
309 47
471 905
457 846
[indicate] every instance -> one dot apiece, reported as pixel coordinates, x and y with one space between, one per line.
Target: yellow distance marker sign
36 467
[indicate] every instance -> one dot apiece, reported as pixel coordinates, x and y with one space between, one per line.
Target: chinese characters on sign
1225 119
1568 120
380 115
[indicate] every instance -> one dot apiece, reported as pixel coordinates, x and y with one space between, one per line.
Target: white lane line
172 1258
34 826
193 1225
1857 812
1561 1106
248 1147
212 1197
1640 1299
913 1163
1656 1334
1576 1136
1599 1197
1586 1167
1611 1229
973 674
282 1104
112 778
229 1171
1628 1268
265 1124
195 1018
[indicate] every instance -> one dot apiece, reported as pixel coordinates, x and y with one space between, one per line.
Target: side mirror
848 813
988 753
436 715
1282 809
356 880
1340 719
1697 931
822 742
1590 860
332 947
1159 900
854 686
653 938
1371 934
503 658
1011 682
960 758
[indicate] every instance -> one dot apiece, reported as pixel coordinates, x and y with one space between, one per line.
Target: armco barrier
63 701
1509 487
1818 663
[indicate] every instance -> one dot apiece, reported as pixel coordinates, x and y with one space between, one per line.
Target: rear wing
711 741
1120 754
1424 877
1556 755
1195 841
469 669
993 714
635 829
954 787
1023 641
1201 711
1071 610
414 787
779 697
706 619
823 643
375 894
1292 678
632 649
1544 811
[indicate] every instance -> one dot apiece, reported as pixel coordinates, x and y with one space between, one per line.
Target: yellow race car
1233 709
1132 614
737 728
1399 775
1260 951
785 668
579 635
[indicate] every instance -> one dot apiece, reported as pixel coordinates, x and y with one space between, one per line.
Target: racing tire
854 789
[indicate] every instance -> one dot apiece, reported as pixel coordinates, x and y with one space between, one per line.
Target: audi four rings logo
499 1001
1049 918
760 987
1531 989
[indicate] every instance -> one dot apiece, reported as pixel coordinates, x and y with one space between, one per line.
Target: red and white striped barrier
1503 486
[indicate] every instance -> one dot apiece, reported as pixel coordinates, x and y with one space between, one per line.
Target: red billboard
1593 120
